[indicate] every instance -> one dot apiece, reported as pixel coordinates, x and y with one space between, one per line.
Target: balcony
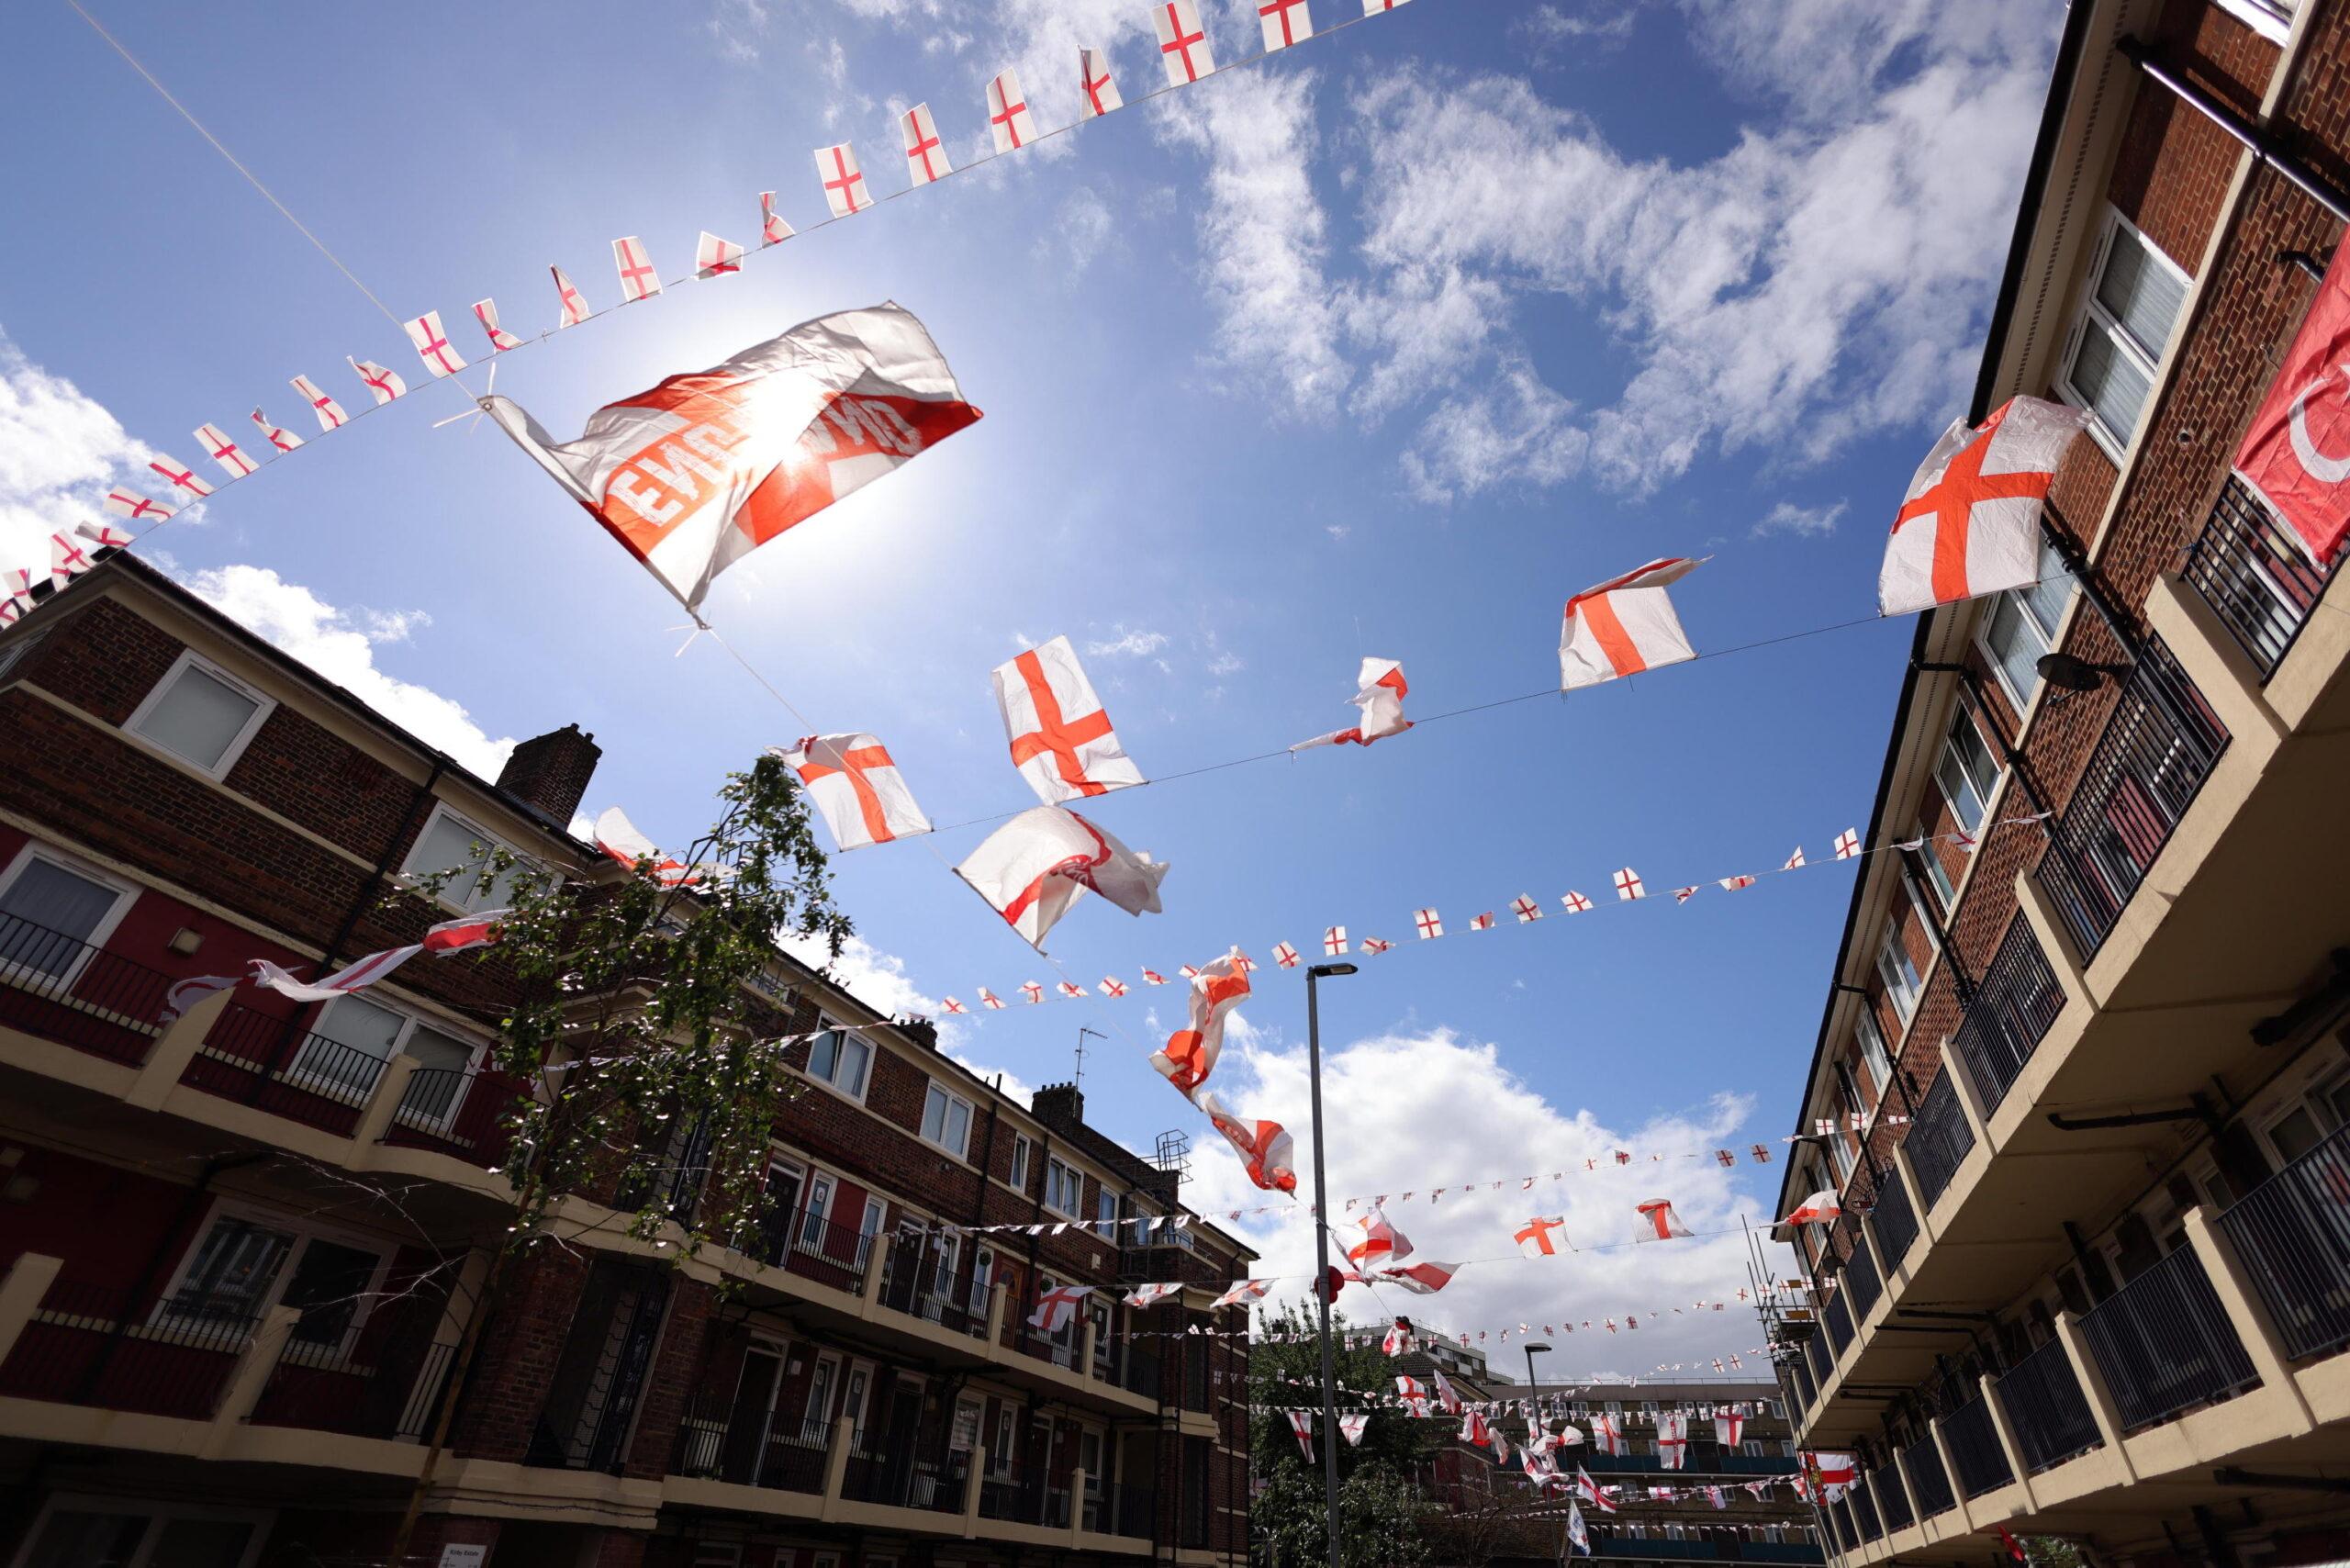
2255 576
2007 1015
1894 1220
1928 1482
1891 1497
2041 1396
2164 1343
63 990
1974 1452
2292 1235
1939 1138
743 1448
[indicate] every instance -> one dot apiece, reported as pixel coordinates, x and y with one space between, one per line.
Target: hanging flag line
1186 54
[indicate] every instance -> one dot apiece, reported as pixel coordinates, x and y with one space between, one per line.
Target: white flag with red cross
1374 945
619 841
1191 1052
1624 625
330 412
1070 990
433 346
845 189
1152 1294
1527 908
1430 925
1300 1424
990 1001
17 582
1629 884
500 340
1372 8
1351 1424
714 257
1009 120
1683 895
1380 693
1448 1396
1422 1276
634 265
225 453
1848 844
1056 1307
105 535
278 436
773 230
1097 94
1730 1427
1657 1221
1034 991
1334 941
382 384
1284 955
134 505
571 303
67 560
179 476
1062 737
926 154
1538 1236
1409 1387
1817 1209
1152 977
1241 1291
949 1005
856 789
355 976
1286 22
1970 524
1111 987
1036 867
695 474
1575 904
1734 883
1794 861
1371 1242
1482 922
1182 43
1267 1151
483 928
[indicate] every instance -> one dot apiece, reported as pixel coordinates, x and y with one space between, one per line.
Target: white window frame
264 706
1864 1030
311 1083
304 1231
2272 20
1023 1155
948 1100
1077 1207
126 893
1987 796
825 1026
2148 357
2021 599
155 1514
1904 997
816 1416
482 835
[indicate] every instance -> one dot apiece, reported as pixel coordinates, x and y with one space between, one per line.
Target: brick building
2097 1285
239 1249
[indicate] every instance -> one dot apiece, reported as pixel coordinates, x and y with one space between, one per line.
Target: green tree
651 1059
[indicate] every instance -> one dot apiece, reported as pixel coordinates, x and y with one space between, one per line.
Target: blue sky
1384 347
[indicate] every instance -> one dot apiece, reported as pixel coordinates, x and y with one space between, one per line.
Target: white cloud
736 28
1416 1110
59 451
1082 231
1598 22
1226 663
340 645
1516 432
1807 522
1134 643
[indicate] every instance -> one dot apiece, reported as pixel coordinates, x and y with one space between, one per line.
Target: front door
898 1443
747 1424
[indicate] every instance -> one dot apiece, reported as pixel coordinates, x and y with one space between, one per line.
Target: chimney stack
551 771
1060 1106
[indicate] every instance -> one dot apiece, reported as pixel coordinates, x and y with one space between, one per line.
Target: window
200 714
451 843
246 1264
1000 1454
347 1047
1966 772
1021 1152
1752 1447
2272 20
2133 295
1064 1188
53 916
964 1437
1872 1052
947 1121
819 1395
819 1213
982 1280
107 1533
1930 859
1902 982
2021 626
841 1059
1106 1210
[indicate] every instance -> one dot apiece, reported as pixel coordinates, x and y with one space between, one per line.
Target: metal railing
902 1472
2251 569
1928 1482
1975 1448
255 1059
1837 1317
1892 1499
918 1280
386 1389
2292 1236
2013 1004
715 1443
1012 1492
1817 1360
1861 1281
90 1344
64 990
2042 1397
1939 1138
2159 745
459 1112
1864 1519
2165 1344
816 1247
1894 1220
1133 1512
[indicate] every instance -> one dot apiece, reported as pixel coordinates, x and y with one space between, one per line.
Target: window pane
934 1115
65 907
325 1287
854 1054
433 1094
233 1272
2046 597
73 1538
2112 382
197 717
823 1056
1959 790
2295 1135
2143 294
2016 643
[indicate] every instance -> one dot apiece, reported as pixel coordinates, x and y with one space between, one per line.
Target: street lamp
1321 1253
1533 1390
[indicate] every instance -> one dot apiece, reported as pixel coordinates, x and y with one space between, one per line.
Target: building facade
2083 1055
240 1247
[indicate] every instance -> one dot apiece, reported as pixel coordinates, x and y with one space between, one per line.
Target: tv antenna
1084 1030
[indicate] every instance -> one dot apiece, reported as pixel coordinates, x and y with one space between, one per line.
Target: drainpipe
2257 139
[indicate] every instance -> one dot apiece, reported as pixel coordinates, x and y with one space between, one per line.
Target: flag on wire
1422 1276
183 479
225 453
1380 690
1482 922
618 838
432 345
1629 885
1351 1424
574 305
1533 1238
1662 1223
1333 940
278 436
1009 120
694 473
1430 926
925 155
1240 1292
1817 1209
845 189
1055 1307
18 583
773 230
1848 844
105 535
355 976
1575 904
1097 93
384 385
856 789
500 340
638 280
1970 524
1182 43
1036 867
1301 1422
1062 737
1286 22
714 257
1111 987
1284 955
67 560
330 412
1151 1295
1191 1052
1624 625
1265 1147
134 505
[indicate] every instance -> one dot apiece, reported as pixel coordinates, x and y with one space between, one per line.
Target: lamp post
1321 1253
1533 1404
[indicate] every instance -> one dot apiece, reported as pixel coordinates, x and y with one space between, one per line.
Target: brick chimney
1060 1106
551 771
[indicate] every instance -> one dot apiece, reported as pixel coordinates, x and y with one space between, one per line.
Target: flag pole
1322 1286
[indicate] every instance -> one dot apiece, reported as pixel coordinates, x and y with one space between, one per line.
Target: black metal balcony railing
1140 1372
1817 1360
387 1386
815 1247
2254 574
2042 1397
1133 1512
1837 1315
920 1281
905 1473
91 1344
1894 1220
2008 1016
1861 1282
255 1059
62 989
1798 1388
1892 1499
1840 1520
1974 1449
2292 1235
455 1112
1864 1519
2163 1343
1939 1138
1928 1482
1012 1492
716 1443
2159 745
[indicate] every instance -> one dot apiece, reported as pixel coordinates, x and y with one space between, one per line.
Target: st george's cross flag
1267 1151
500 340
1371 1241
1009 120
1097 94
1034 868
2295 453
432 345
1730 1427
1422 1276
1351 1424
856 789
1300 1424
1151 1295
572 304
925 156
330 412
1445 1394
129 503
1056 1308
1657 1221
618 838
1241 1292
1970 524
1624 625
774 229
17 584
1061 738
1182 43
1534 1237
695 474
67 560
381 384
714 257
1380 693
1286 22
1191 1052
1817 1209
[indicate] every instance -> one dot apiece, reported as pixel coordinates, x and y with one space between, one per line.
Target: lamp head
2068 672
1323 971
